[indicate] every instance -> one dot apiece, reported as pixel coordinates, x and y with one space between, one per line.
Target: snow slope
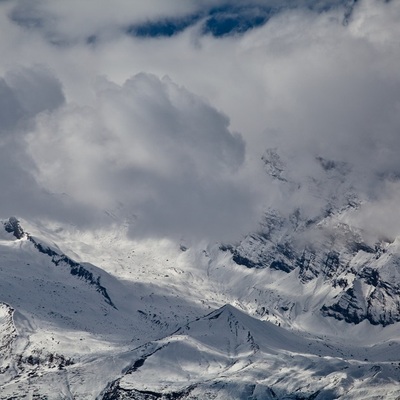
154 319
230 355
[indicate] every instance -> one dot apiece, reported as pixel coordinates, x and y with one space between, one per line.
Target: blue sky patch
235 20
163 28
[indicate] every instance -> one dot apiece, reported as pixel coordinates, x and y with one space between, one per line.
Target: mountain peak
226 308
13 226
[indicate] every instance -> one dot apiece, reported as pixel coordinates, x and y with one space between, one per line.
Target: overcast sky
161 112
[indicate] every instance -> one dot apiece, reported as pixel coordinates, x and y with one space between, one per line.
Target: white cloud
163 152
304 83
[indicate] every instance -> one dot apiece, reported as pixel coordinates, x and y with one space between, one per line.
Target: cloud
10 108
317 82
36 89
24 93
54 19
163 152
98 19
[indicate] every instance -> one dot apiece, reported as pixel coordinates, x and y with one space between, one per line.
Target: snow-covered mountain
307 307
356 274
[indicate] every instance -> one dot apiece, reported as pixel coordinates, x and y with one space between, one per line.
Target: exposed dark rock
115 392
381 307
346 308
331 264
281 266
356 247
342 282
274 165
240 260
306 265
13 226
371 276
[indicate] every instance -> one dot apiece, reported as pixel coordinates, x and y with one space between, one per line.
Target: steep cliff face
360 274
322 248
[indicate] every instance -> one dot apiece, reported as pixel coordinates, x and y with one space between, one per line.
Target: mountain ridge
238 332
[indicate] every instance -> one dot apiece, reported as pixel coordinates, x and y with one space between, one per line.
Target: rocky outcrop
76 268
13 226
330 249
369 298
